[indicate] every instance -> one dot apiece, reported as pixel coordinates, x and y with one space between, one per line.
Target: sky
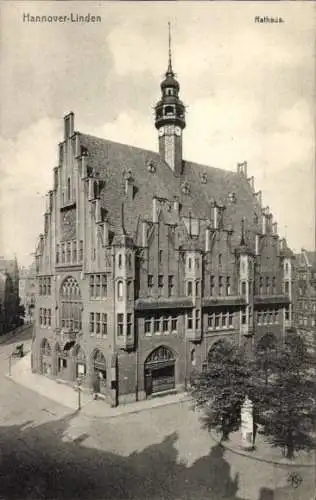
249 89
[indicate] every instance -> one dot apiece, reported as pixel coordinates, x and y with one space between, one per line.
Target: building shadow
37 463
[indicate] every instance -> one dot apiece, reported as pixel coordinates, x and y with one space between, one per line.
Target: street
49 451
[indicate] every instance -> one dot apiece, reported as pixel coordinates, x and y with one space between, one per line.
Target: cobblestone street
51 451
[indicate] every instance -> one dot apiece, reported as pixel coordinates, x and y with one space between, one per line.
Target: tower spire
169 70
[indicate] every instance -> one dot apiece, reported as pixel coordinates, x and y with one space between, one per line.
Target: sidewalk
264 452
66 395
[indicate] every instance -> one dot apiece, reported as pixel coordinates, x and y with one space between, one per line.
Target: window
197 288
189 263
57 254
120 325
97 285
261 285
287 313
120 261
217 319
286 267
220 285
40 286
68 189
104 285
224 320
68 251
92 323
98 323
243 317
44 286
259 317
129 290
210 320
129 324
273 285
150 281
160 281
49 317
63 253
228 285
49 286
189 320
220 260
189 288
174 323
71 305
197 319
160 256
120 290
193 360
165 325
91 285
267 285
147 326
41 316
129 261
230 319
212 285
74 251
243 288
170 285
157 324
286 288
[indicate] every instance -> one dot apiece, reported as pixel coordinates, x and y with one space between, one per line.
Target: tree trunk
289 445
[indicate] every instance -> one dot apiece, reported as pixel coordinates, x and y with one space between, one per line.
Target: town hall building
147 261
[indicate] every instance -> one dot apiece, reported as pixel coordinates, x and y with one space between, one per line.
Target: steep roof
112 160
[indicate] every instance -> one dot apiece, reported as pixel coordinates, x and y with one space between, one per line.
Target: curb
258 458
133 411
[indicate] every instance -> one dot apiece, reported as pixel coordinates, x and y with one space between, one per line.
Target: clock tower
170 119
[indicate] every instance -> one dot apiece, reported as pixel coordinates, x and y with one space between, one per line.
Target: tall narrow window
120 290
68 189
286 288
170 285
97 285
165 324
49 286
261 285
160 257
189 320
189 288
267 285
228 285
197 289
104 285
92 323
91 285
220 285
104 324
157 323
197 319
120 325
57 254
189 263
273 285
98 322
74 251
129 324
174 322
150 281
243 288
230 319
210 320
81 251
224 319
212 286
147 326
120 260
244 317
129 290
220 259
160 281
68 252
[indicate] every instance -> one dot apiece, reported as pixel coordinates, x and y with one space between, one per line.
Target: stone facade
147 260
9 295
304 317
27 291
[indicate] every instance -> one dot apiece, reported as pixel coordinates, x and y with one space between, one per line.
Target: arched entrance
46 357
99 373
159 371
80 362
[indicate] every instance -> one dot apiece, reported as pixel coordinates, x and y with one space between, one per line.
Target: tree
287 404
221 388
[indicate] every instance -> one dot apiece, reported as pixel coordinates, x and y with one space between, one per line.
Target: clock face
161 131
178 131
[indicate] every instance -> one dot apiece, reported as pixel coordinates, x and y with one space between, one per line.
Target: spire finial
169 70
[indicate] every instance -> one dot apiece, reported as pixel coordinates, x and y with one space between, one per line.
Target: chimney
68 125
155 206
98 216
90 189
251 181
144 234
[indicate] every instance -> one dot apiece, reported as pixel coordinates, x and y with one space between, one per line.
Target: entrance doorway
99 373
159 371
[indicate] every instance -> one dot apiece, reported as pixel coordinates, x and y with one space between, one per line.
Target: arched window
193 360
189 289
71 304
197 288
120 290
220 259
120 260
129 261
189 263
169 110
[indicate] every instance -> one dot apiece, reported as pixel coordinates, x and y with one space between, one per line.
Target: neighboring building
27 291
148 260
9 295
304 317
